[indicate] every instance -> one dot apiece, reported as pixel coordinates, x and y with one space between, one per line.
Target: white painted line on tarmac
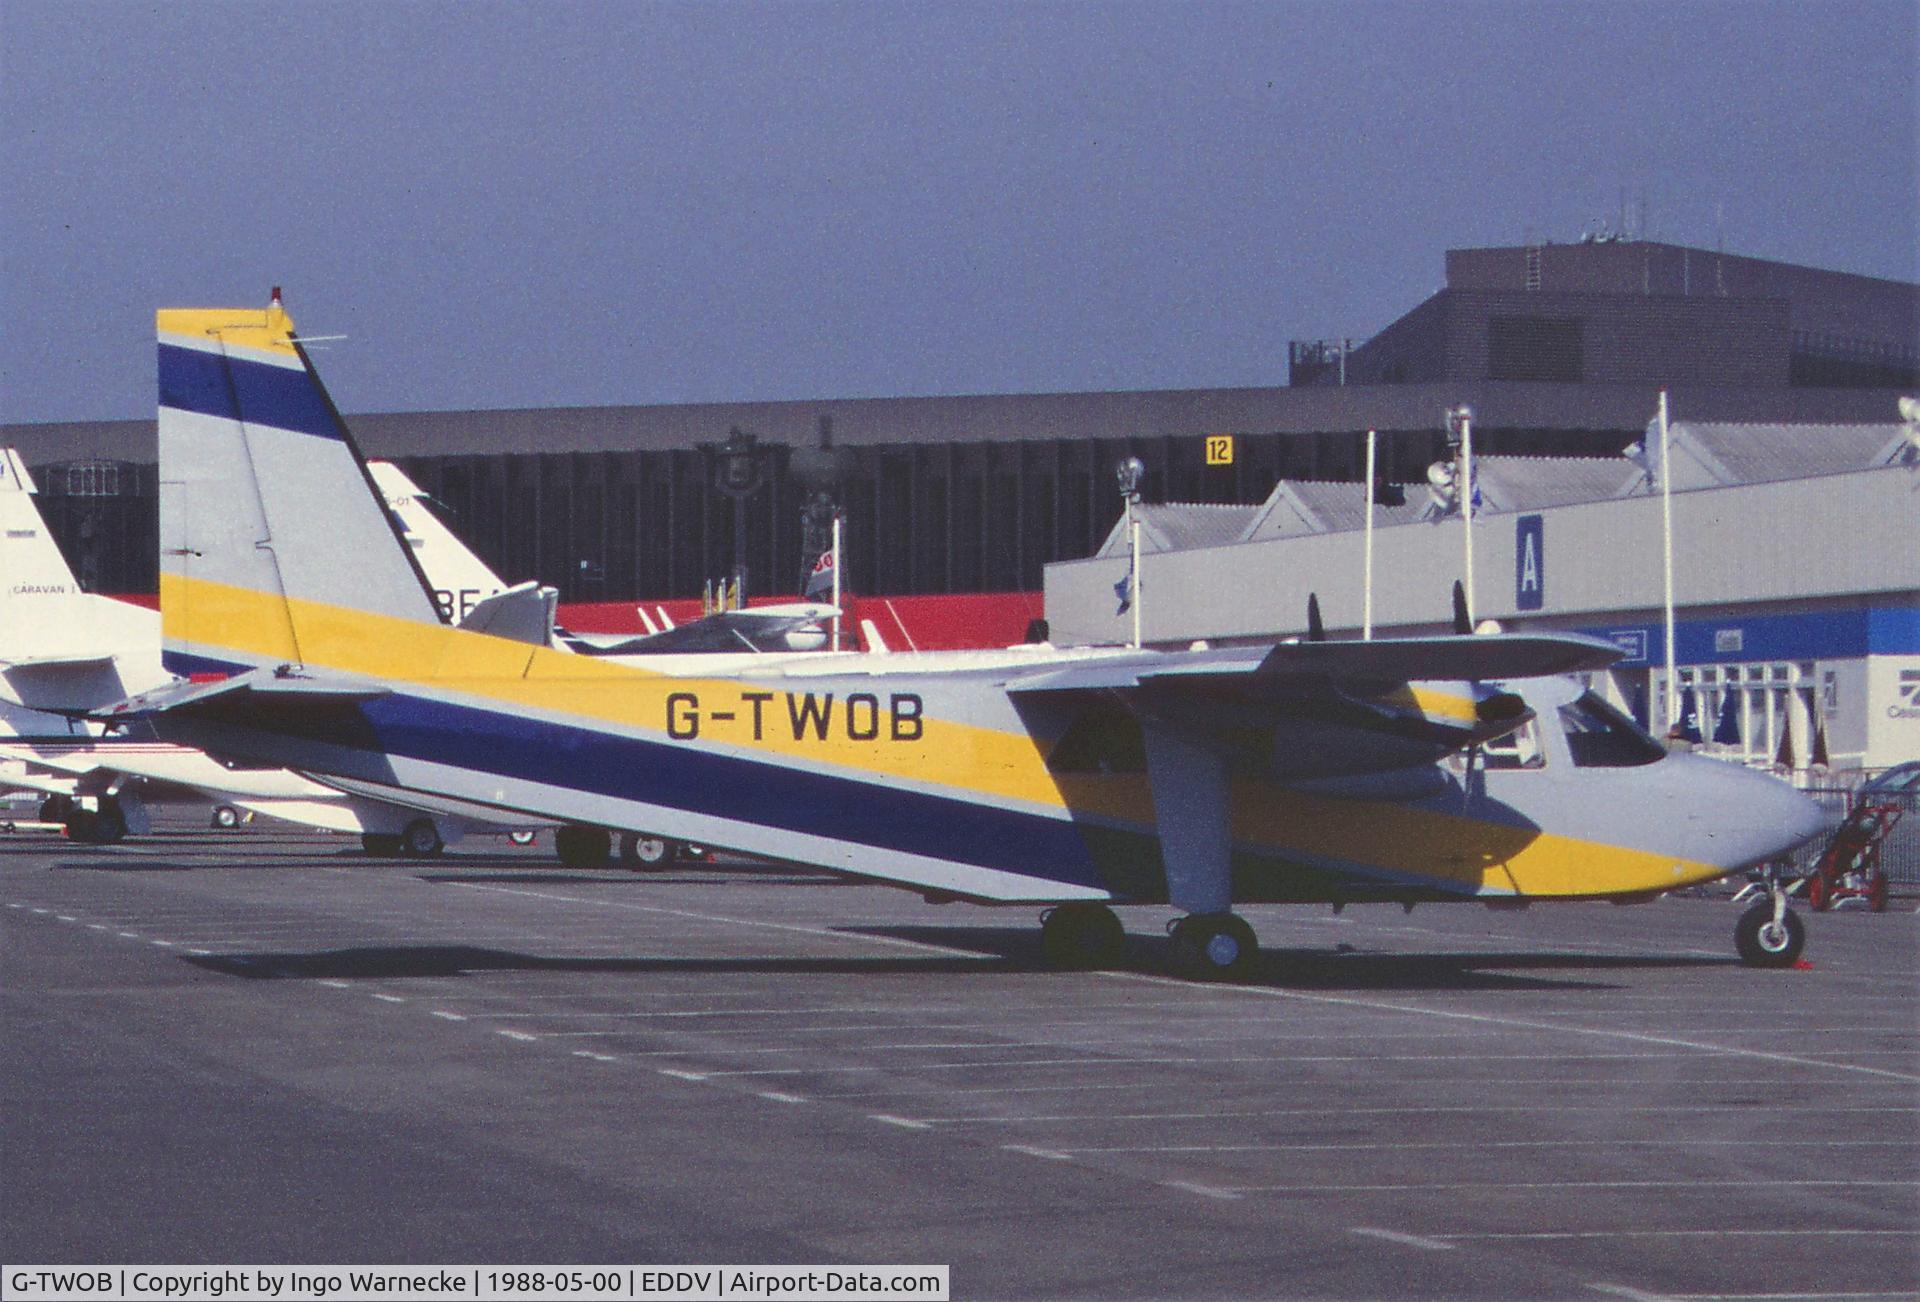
1787 1233
1498 1143
1469 1109
827 932
125 935
66 917
163 944
677 1074
1204 1190
389 999
1404 1240
98 926
43 912
12 905
202 953
905 1123
1046 1154
444 1015
331 984
596 1057
780 1096
1631 1294
515 1035
1381 1005
1578 1184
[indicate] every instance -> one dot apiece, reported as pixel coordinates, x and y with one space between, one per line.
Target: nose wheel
1770 934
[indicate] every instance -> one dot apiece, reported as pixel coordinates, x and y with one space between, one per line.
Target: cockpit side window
1599 736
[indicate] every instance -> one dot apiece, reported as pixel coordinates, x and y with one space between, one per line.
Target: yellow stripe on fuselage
1461 853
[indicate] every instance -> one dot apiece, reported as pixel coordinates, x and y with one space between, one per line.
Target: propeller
1316 628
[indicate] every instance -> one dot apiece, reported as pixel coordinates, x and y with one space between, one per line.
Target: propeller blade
1316 629
1461 624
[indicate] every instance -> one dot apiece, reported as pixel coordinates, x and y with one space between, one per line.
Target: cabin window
1599 736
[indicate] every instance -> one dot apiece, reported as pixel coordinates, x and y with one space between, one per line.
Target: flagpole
1466 501
1133 542
1666 549
1366 582
836 580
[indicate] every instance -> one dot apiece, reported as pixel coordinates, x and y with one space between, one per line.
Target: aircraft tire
1215 947
583 847
1761 944
523 837
54 809
647 853
381 845
420 839
1082 937
225 816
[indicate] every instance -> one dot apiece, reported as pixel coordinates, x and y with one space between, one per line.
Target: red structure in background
962 621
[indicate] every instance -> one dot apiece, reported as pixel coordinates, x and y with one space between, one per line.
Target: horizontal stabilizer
275 686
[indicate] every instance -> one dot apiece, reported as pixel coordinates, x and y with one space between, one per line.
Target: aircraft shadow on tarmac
998 949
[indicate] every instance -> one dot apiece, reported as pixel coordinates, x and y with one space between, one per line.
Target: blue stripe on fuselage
238 388
813 802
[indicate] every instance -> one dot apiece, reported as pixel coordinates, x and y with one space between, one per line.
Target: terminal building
1559 349
1796 578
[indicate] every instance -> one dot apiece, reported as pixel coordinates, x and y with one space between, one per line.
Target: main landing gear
1206 946
1214 946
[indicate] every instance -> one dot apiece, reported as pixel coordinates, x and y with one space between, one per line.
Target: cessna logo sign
1909 706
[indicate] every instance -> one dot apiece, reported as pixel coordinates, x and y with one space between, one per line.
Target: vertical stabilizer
459 579
270 527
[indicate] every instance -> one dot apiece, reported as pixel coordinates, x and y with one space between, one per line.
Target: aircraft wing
760 628
1381 662
1331 708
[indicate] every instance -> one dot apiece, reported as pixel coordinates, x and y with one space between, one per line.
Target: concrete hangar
1558 349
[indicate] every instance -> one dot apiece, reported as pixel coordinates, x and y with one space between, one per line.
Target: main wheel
381 845
1215 947
647 852
1765 943
523 837
583 847
1082 936
54 809
420 839
1819 895
225 816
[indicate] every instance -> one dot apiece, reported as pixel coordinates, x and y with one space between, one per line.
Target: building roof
1710 454
1180 526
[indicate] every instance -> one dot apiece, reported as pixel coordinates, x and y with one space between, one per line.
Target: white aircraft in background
470 595
64 651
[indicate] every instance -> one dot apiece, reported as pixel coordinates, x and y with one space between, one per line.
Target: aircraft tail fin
271 529
460 580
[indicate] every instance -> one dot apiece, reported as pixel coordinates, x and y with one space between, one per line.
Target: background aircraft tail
270 525
61 649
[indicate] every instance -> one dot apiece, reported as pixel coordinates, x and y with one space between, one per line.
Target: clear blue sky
516 204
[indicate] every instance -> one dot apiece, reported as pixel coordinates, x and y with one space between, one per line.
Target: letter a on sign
1529 562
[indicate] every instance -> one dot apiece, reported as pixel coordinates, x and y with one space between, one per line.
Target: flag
1727 731
1689 724
1123 590
1819 757
1784 756
820 579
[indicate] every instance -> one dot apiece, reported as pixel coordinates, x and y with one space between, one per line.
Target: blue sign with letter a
1529 562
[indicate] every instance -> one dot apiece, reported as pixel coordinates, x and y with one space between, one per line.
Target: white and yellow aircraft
1414 770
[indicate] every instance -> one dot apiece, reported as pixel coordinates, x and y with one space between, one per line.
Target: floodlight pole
1462 417
1666 550
1366 580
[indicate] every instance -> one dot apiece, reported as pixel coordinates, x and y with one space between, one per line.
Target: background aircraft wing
761 628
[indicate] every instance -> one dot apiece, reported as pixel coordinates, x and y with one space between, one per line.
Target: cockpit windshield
1599 736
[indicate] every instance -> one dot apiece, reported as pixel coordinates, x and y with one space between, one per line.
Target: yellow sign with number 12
1219 449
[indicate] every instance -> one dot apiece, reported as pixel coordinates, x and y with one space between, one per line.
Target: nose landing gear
1770 934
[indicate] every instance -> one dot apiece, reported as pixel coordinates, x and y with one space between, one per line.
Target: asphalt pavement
263 1046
